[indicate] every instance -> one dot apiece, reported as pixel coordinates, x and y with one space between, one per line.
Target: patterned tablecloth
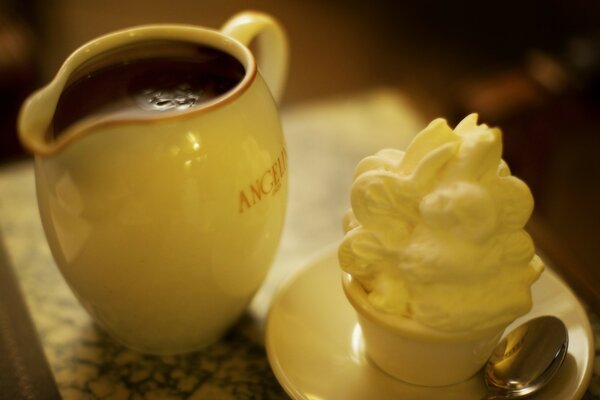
325 141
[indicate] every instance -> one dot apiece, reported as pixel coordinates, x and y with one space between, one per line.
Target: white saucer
315 346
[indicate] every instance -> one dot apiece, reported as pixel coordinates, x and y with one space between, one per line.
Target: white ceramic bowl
414 353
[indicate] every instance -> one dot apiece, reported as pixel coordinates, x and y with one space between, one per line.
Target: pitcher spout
35 120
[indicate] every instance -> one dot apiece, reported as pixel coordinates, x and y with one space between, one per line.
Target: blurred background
531 67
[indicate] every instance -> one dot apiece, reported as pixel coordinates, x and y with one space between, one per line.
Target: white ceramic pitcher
165 225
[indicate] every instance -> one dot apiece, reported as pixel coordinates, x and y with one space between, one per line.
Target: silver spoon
526 359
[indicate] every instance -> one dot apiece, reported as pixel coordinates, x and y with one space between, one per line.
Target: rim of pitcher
138 34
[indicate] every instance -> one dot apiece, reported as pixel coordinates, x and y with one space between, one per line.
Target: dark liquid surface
144 79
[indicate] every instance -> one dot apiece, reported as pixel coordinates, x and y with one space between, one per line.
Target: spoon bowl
527 358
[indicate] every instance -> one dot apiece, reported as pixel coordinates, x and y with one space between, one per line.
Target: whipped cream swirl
436 233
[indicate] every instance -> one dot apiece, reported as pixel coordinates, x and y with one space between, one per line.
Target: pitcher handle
272 46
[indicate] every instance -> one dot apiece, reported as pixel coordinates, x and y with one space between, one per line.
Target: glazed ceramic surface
440 358
317 350
165 227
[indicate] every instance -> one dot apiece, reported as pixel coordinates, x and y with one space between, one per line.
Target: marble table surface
325 140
